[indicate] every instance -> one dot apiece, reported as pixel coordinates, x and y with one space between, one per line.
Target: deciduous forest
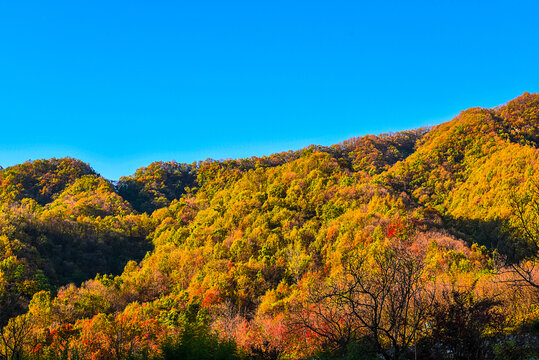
421 244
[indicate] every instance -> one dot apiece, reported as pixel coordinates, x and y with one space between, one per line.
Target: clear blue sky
120 84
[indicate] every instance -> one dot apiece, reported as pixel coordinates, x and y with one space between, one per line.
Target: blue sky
120 84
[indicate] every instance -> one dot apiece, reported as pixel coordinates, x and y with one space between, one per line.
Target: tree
13 337
382 295
458 324
526 210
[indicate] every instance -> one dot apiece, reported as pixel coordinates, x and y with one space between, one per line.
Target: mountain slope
242 247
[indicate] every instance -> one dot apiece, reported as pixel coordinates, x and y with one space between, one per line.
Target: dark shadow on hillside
494 234
76 252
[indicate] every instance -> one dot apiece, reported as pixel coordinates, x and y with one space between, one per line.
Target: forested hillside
421 243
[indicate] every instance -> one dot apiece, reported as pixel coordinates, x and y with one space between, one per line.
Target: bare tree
526 210
382 295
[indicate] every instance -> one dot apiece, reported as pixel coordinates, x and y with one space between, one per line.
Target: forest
421 244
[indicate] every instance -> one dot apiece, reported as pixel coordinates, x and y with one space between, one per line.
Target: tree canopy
357 249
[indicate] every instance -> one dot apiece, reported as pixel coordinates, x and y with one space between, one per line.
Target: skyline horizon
138 163
122 84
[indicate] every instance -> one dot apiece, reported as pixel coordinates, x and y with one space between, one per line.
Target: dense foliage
419 243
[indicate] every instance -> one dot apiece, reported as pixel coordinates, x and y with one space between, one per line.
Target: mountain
60 222
284 256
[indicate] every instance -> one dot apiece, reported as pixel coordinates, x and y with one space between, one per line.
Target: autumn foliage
421 244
